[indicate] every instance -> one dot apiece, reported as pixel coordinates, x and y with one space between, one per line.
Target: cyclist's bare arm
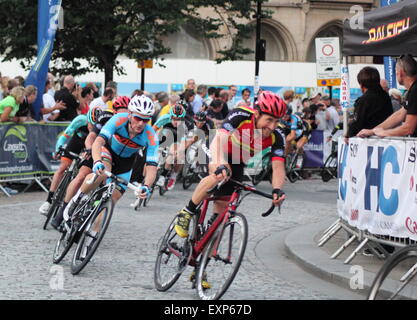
278 178
150 174
90 140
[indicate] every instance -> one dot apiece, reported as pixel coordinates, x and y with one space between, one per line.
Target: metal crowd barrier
32 178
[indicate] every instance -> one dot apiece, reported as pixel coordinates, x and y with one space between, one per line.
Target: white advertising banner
378 186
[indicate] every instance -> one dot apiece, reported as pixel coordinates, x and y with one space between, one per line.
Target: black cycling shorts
237 174
75 145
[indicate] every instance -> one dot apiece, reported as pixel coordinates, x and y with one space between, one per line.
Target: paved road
123 265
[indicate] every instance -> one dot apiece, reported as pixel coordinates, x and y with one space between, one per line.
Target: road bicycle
329 169
293 165
215 248
396 278
69 174
193 170
93 210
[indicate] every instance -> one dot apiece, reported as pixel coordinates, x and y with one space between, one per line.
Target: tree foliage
101 31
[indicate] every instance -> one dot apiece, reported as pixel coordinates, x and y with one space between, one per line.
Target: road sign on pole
328 62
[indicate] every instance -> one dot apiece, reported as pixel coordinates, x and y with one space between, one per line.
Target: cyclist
298 131
115 149
97 118
175 127
73 137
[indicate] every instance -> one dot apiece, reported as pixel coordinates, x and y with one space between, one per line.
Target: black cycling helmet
200 116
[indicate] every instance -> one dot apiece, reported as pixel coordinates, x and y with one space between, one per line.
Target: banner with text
378 186
26 149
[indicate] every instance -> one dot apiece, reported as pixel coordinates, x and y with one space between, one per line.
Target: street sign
328 62
145 64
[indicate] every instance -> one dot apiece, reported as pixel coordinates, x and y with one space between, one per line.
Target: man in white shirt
199 98
101 102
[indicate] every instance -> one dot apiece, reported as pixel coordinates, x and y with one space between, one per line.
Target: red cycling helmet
121 102
272 104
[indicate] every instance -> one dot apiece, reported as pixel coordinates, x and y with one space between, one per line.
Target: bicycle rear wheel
222 258
292 163
87 247
262 168
188 177
395 280
57 200
329 170
173 256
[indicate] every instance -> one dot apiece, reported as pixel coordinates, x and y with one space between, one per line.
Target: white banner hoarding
378 186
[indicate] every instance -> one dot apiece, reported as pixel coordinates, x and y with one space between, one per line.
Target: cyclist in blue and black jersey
297 131
115 148
97 117
175 128
73 138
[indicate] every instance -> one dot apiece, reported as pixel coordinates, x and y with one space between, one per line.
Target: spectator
404 121
190 84
50 109
396 99
113 85
26 111
137 92
20 81
9 106
224 96
315 97
11 83
65 95
164 105
51 78
305 103
232 97
312 115
4 91
86 97
188 96
321 116
332 116
211 91
374 106
288 96
198 102
101 102
93 86
245 98
384 85
214 112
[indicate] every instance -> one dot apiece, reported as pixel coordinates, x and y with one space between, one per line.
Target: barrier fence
26 151
377 194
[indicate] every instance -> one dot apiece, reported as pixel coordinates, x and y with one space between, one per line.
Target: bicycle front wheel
222 258
173 256
92 236
329 170
395 280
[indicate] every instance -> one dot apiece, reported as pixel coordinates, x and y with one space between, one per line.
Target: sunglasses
138 118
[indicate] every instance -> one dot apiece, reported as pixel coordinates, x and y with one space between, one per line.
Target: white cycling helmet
143 105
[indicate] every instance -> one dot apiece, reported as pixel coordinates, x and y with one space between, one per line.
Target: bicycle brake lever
265 214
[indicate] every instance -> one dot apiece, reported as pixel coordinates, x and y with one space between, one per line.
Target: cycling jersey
77 127
240 122
179 133
299 125
203 132
116 134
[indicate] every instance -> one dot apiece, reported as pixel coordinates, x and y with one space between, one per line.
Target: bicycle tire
329 170
57 199
210 265
165 256
188 177
77 265
291 175
388 276
59 253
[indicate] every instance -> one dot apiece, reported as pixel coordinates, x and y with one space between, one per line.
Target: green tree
100 31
